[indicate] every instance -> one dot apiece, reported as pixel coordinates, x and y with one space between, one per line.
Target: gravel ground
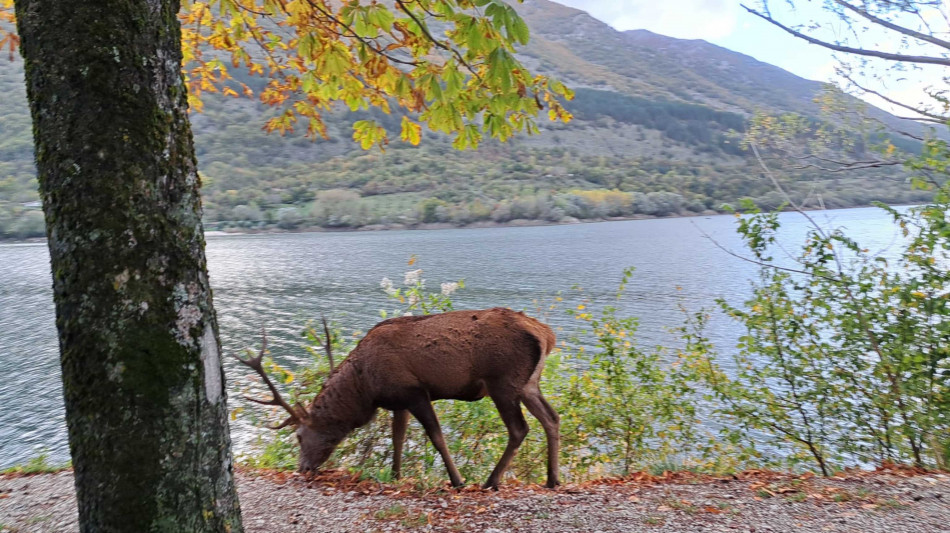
892 501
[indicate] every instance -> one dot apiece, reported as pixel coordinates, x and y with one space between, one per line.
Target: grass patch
843 496
662 467
892 503
406 518
37 465
393 511
797 497
680 505
724 506
415 520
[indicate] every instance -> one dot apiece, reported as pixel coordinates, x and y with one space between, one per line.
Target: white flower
449 288
413 299
407 313
387 286
414 277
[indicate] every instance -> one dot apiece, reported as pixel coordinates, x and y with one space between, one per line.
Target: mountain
657 130
640 62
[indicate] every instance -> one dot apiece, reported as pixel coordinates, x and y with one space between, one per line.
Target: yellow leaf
411 132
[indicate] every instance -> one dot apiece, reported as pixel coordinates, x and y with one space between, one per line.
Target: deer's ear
301 413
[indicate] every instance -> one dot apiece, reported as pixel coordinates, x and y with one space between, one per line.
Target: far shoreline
483 224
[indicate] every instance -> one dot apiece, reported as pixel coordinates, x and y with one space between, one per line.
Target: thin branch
923 119
927 116
850 50
907 134
756 261
243 7
821 231
405 9
891 26
850 166
354 35
773 179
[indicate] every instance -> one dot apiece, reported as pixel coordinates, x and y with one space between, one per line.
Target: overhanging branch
945 61
895 27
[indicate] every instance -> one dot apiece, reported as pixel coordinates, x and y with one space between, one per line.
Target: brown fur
405 363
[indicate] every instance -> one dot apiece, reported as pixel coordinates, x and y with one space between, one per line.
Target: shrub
845 361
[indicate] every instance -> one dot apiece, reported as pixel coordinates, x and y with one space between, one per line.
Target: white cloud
685 19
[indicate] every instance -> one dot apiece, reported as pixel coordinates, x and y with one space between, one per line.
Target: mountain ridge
790 92
658 119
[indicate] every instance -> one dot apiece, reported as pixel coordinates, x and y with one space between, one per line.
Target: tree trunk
142 376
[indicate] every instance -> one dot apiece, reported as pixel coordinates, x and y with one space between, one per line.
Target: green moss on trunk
142 378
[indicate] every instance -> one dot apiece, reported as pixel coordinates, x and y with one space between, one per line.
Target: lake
281 281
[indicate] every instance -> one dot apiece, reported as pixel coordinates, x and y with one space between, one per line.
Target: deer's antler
327 342
298 413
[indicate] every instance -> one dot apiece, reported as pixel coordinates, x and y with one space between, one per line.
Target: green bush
845 361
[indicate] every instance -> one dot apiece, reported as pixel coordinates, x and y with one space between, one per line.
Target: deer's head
316 443
316 446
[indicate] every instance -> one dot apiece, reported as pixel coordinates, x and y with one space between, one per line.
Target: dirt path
891 501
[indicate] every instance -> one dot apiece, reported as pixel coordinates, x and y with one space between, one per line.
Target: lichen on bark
142 379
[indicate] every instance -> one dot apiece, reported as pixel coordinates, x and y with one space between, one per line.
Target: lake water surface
285 280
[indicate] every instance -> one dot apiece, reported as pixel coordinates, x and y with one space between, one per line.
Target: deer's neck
343 405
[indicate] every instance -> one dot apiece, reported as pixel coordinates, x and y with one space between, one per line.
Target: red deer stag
405 363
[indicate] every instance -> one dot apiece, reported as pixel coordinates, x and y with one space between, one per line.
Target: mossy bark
142 376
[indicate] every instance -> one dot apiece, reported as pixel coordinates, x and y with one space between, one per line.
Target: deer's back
460 354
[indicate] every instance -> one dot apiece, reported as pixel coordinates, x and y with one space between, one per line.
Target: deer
403 364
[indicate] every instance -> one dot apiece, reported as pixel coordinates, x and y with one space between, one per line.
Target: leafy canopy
449 64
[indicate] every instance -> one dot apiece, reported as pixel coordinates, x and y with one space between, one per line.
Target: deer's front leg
425 414
400 423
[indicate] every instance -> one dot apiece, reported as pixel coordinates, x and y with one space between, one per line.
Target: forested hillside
657 131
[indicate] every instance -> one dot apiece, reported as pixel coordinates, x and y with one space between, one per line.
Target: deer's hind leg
510 411
425 414
551 423
400 423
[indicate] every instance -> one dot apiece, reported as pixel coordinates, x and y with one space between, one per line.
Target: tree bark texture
142 376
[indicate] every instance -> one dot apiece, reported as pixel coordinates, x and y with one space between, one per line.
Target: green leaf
517 28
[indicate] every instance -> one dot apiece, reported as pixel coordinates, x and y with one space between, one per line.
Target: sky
727 24
721 22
